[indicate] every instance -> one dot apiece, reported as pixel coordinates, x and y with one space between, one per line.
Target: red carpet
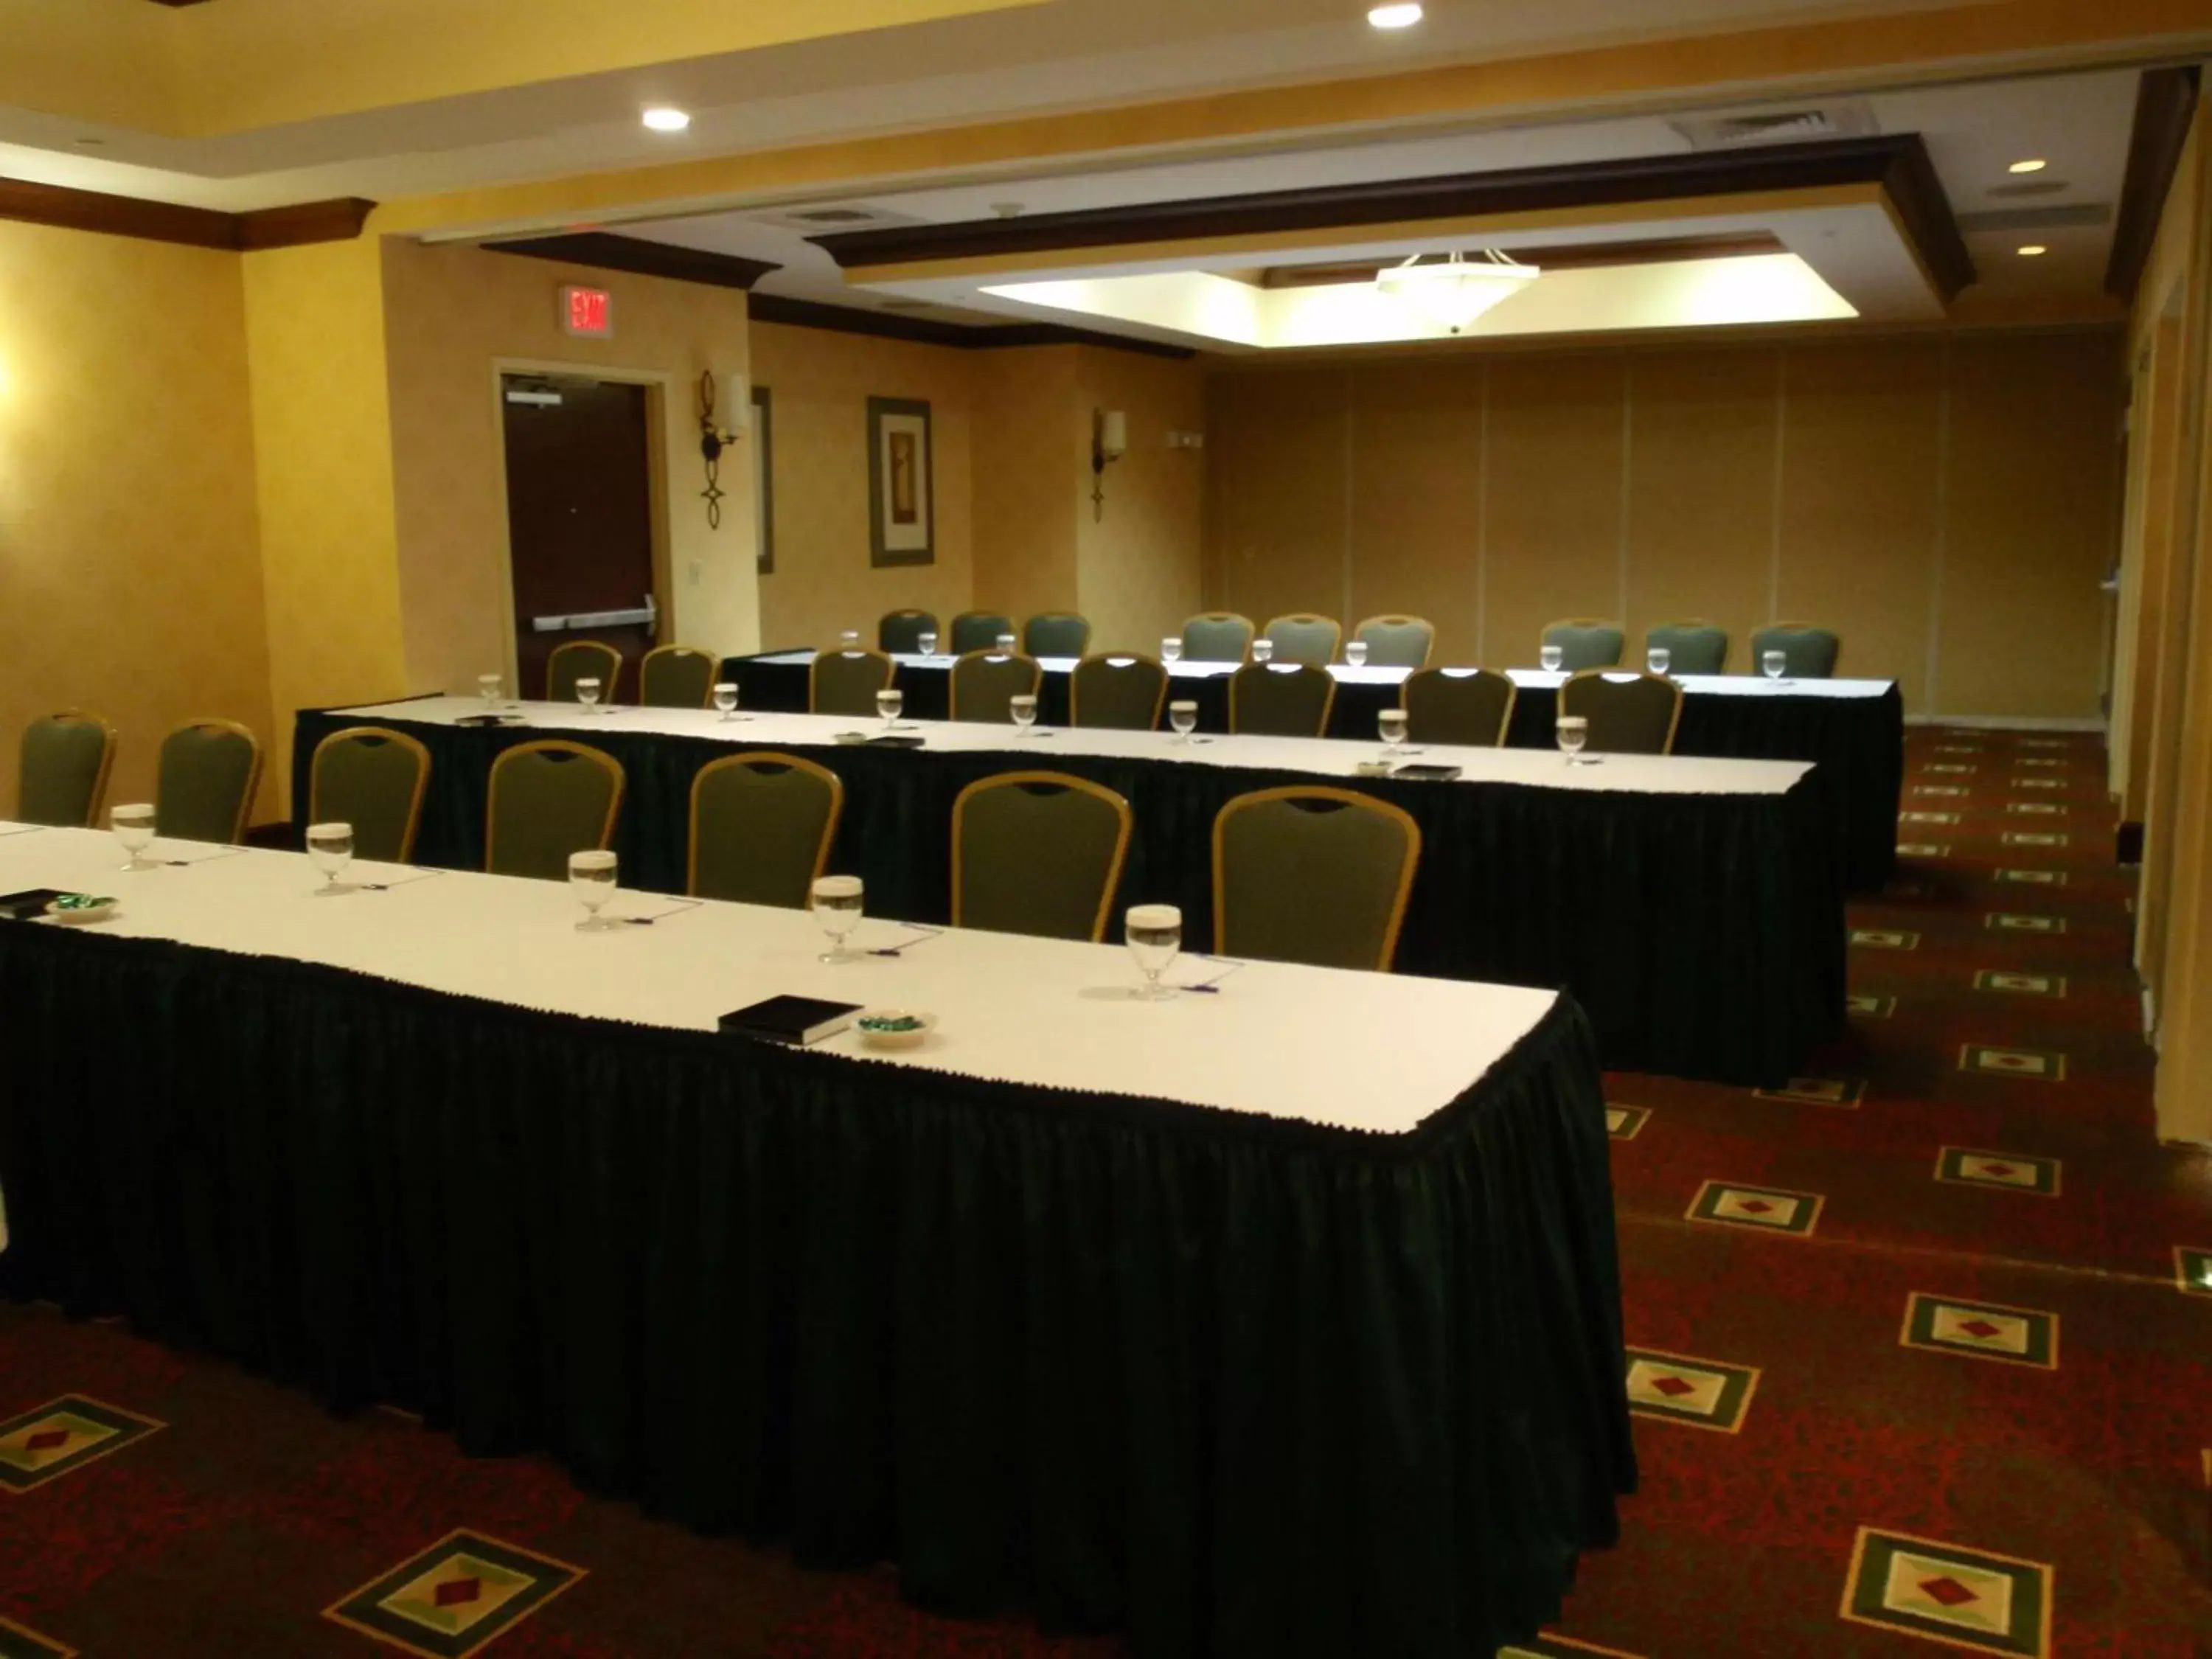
1884 1412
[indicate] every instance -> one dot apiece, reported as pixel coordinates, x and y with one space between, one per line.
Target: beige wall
1032 445
1949 504
1138 557
130 565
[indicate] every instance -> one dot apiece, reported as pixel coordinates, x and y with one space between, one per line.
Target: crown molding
925 331
2165 99
607 252
337 221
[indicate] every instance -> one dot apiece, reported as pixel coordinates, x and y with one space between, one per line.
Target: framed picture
763 448
902 487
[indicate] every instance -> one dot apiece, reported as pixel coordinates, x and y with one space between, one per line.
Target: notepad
796 1020
1427 774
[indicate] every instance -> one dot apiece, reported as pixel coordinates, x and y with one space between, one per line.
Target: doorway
580 521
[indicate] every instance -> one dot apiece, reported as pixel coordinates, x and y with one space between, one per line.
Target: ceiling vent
1780 126
824 221
2050 218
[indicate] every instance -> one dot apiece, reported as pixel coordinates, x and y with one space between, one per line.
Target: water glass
1355 654
1183 718
1774 662
1551 656
134 829
1393 724
1573 733
1263 648
1155 936
849 640
726 699
891 705
1023 708
1171 649
591 878
837 906
331 847
925 643
1658 658
491 687
587 693
1005 644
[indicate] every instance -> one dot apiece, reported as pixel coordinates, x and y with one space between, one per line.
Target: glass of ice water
838 906
725 699
1573 733
1658 658
1551 656
925 643
1393 724
591 878
1171 649
1776 663
134 831
1263 649
587 693
1155 936
491 687
331 847
1355 654
1005 644
891 705
1023 706
1182 717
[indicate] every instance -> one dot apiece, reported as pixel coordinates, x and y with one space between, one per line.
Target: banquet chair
761 827
547 800
846 682
63 769
1056 634
1469 706
204 785
899 632
986 683
1629 711
1693 647
1280 700
1037 853
1585 642
1303 636
374 779
1812 652
676 676
582 659
1394 641
977 630
1125 693
1218 636
1312 874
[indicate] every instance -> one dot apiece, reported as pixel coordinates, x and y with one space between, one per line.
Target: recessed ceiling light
2032 166
1403 15
2032 250
661 118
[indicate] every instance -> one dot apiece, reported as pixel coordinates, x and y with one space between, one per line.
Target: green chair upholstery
762 825
63 771
204 785
846 682
899 632
1629 711
1812 652
1218 636
978 630
1585 642
1313 875
1037 853
1394 641
1056 634
986 683
1280 700
1469 706
1694 647
374 779
1302 636
582 659
548 799
1125 694
676 676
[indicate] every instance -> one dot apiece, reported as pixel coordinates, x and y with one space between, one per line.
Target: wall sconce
714 438
1110 441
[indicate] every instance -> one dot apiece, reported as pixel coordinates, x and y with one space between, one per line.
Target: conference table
1854 729
1692 906
1283 1319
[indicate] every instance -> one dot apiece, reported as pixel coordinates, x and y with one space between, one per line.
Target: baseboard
2009 723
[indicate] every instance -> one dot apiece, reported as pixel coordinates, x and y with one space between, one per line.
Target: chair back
1629 711
762 825
548 799
62 775
899 632
1695 647
1123 693
675 676
978 630
1585 642
986 683
374 779
1280 700
1218 636
1397 641
1056 634
205 782
1469 706
846 682
1313 875
1303 636
1037 853
582 659
1812 652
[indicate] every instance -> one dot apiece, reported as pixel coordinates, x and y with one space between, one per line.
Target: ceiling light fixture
1454 293
1403 15
662 118
2032 166
2032 250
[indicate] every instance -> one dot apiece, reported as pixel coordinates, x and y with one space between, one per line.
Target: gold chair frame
952 686
754 758
1395 619
598 757
1351 798
421 778
1336 647
645 662
1014 627
1066 780
889 663
1327 702
1251 628
252 771
1806 627
903 611
108 744
1075 683
608 680
1674 720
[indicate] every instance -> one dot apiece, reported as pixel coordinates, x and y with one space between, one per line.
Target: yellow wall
1032 467
130 572
1941 502
1138 558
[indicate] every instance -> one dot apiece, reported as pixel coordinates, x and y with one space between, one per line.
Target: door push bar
647 617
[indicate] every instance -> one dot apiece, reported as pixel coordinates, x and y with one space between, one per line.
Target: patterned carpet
1914 1364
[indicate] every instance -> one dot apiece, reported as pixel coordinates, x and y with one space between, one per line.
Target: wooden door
579 520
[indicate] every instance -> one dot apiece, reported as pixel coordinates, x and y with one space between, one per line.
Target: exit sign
587 312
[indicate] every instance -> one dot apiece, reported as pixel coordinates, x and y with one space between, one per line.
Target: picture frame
902 484
763 447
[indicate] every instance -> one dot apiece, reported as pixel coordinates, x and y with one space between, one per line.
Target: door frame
657 384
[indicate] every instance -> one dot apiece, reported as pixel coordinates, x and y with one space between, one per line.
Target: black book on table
31 901
795 1020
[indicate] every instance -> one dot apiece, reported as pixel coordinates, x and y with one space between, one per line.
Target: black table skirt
1234 1387
1859 742
1704 934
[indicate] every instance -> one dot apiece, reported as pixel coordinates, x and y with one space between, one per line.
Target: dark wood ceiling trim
1899 162
1567 256
608 252
2165 99
165 221
927 331
340 220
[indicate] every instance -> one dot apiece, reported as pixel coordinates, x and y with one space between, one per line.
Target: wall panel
1417 499
1276 441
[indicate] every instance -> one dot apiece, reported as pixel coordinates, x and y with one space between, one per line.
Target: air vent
2028 188
833 217
1780 127
2050 218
